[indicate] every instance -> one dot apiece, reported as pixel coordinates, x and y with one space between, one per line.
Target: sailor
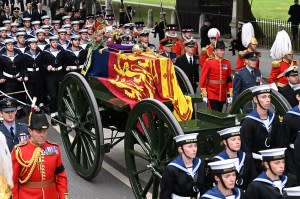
184 177
62 38
13 30
282 54
54 65
291 129
287 91
46 20
55 27
14 132
34 60
20 45
40 34
207 52
27 25
46 28
38 171
189 63
12 69
75 27
216 79
225 174
35 26
260 128
74 55
67 27
66 20
83 38
231 141
249 41
270 182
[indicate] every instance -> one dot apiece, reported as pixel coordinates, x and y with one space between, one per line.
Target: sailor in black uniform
74 55
185 175
224 173
27 25
270 183
260 128
53 57
12 69
62 38
40 34
291 128
83 38
20 44
232 143
55 27
34 61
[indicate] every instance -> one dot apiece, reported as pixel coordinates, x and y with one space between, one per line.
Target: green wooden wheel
279 103
77 107
149 145
183 81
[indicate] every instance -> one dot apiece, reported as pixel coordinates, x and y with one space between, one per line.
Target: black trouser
35 86
52 82
216 105
295 30
13 85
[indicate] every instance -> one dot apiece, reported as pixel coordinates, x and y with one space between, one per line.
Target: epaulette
21 144
275 64
50 142
203 50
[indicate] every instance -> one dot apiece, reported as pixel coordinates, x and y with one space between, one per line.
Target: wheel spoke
91 144
75 140
137 173
87 151
67 105
147 187
66 117
78 150
139 154
145 130
141 142
69 94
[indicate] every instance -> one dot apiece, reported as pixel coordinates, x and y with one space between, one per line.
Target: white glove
273 86
229 100
204 99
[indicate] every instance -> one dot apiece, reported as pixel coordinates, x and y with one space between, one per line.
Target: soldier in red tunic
207 52
38 172
249 41
216 79
171 34
187 34
282 52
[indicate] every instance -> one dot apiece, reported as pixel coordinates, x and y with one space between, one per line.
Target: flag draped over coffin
135 77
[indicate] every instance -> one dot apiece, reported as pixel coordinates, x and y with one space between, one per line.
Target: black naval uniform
178 180
74 59
36 82
255 136
190 69
11 69
12 140
289 94
263 187
244 168
291 127
244 79
53 77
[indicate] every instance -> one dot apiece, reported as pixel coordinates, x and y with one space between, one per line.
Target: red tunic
48 171
216 78
207 52
277 72
240 61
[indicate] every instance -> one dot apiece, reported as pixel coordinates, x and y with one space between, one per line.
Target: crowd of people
38 50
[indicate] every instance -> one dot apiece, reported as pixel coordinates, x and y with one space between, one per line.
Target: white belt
76 67
56 69
174 196
33 69
292 146
256 156
11 76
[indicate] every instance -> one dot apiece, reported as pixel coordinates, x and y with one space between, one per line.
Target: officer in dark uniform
224 173
248 76
167 49
34 61
232 143
291 128
13 131
270 182
53 57
74 55
12 69
287 91
184 177
260 128
189 63
144 41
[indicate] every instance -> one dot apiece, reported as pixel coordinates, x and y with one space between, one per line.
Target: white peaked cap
223 166
186 138
229 132
213 32
281 46
247 34
292 191
273 154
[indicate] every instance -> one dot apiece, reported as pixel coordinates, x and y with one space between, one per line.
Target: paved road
111 182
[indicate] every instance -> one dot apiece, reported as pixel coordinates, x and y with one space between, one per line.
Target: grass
271 9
